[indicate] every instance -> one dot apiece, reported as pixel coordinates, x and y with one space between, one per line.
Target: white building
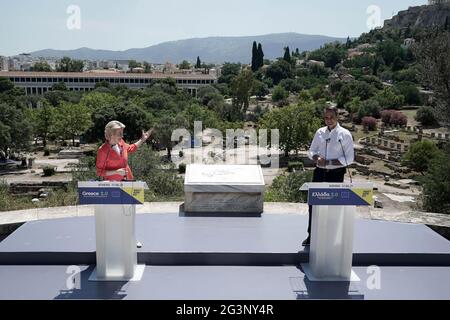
4 63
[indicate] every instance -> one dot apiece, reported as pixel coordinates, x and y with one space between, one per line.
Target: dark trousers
324 175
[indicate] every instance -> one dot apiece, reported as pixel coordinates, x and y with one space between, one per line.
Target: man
332 151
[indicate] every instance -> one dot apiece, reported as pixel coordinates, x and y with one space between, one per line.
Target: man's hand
321 162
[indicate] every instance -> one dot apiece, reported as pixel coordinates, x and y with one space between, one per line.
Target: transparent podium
333 215
115 213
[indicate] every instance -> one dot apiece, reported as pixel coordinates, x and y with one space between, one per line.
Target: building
41 82
4 63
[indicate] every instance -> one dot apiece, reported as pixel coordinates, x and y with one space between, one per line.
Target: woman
112 156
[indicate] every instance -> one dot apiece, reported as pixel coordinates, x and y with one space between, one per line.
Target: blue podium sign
329 194
118 193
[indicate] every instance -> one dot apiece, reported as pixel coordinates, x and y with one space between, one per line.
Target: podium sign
115 213
102 193
333 214
329 194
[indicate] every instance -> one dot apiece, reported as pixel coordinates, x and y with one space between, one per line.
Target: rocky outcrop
423 16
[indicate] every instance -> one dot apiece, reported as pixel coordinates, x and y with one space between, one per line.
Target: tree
419 155
287 55
389 99
44 121
60 86
425 115
254 64
368 108
198 65
5 85
42 66
260 89
436 185
296 124
278 71
133 64
15 128
280 95
147 67
68 65
410 92
73 120
348 44
331 54
184 65
229 71
260 60
389 51
241 87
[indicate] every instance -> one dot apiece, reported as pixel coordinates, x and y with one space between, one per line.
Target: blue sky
118 24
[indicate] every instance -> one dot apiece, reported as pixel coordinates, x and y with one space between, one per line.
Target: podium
115 213
333 215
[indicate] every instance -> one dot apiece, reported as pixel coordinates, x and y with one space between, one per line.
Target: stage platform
223 258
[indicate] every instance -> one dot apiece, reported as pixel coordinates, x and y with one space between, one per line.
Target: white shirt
116 148
334 145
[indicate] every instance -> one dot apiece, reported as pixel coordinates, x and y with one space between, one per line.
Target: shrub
436 185
369 108
49 171
420 154
425 115
398 118
394 117
182 168
46 152
370 123
285 188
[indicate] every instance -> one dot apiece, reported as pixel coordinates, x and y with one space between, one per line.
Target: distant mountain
210 50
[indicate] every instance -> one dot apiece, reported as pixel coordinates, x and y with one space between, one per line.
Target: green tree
73 120
389 99
260 60
368 108
254 64
420 155
229 71
278 71
297 125
241 87
42 66
44 121
15 128
436 185
60 86
198 65
410 92
184 65
66 64
425 115
134 64
287 55
5 85
280 95
286 187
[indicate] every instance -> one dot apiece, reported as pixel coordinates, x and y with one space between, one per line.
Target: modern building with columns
41 82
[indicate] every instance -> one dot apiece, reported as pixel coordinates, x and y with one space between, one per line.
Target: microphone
326 150
346 163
